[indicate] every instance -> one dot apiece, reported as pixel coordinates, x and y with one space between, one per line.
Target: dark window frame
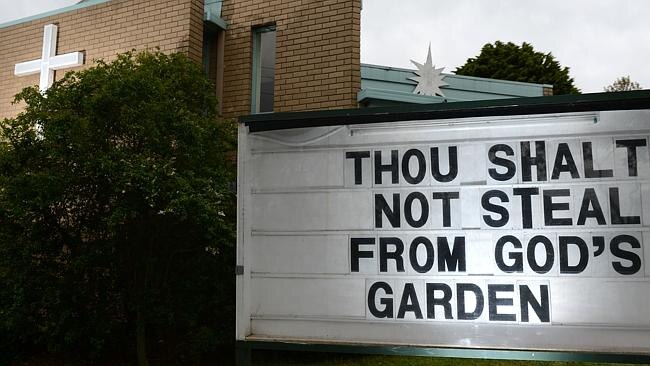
261 69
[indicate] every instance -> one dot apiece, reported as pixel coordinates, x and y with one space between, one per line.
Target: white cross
49 61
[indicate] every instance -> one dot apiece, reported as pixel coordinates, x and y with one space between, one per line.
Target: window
263 69
210 55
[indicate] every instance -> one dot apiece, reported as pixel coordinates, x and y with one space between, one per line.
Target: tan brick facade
101 31
317 46
548 91
317 53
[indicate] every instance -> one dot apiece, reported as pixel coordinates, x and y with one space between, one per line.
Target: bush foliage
117 214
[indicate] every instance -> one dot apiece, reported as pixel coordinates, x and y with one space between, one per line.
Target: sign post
488 229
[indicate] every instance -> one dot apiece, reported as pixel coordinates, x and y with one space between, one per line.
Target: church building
262 56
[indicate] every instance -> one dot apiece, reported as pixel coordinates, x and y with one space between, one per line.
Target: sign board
526 232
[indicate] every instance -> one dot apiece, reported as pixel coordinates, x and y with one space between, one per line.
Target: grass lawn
272 358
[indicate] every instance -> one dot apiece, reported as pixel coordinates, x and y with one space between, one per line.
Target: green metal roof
383 85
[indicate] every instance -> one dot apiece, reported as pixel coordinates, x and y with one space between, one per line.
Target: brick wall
317 53
548 91
101 31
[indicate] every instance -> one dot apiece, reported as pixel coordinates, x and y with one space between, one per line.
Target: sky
16 9
599 40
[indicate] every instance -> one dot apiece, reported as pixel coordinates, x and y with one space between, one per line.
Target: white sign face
517 232
49 61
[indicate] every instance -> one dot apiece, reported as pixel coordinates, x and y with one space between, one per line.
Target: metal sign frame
634 100
245 348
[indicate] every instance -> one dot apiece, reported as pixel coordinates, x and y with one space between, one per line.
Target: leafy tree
623 84
117 213
508 61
